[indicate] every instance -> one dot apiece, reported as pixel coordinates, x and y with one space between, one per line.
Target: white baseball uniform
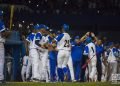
44 59
2 53
90 51
64 49
70 65
112 62
34 55
24 68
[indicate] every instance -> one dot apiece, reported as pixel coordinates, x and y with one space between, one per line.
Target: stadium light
37 5
98 11
20 25
29 1
23 21
65 3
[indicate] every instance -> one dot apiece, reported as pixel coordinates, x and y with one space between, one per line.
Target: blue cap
89 39
77 37
37 27
65 27
43 26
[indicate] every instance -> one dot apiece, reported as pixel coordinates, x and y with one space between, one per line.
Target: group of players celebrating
56 57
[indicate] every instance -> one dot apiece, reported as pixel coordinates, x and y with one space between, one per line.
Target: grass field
58 84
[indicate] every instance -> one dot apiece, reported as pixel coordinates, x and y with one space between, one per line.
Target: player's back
92 49
64 43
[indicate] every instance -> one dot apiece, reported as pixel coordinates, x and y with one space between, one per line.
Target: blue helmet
40 26
37 27
88 40
65 27
43 26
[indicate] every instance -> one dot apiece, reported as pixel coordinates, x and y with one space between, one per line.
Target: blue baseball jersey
77 51
52 54
2 26
99 51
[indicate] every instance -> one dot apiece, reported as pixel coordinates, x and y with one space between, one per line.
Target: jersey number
92 49
67 42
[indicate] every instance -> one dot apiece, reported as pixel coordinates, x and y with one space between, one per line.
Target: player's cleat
47 81
28 79
65 77
90 80
35 80
74 80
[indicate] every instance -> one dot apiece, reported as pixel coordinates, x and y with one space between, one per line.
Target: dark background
100 16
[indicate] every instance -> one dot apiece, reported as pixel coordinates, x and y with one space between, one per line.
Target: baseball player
33 53
100 52
41 42
64 52
52 56
112 61
77 53
90 52
24 68
2 53
44 62
29 40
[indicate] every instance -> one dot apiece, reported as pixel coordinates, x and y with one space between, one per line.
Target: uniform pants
112 69
2 60
92 68
35 63
99 70
70 65
45 66
29 68
23 72
77 69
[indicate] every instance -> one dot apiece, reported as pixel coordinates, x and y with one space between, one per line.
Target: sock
60 74
65 70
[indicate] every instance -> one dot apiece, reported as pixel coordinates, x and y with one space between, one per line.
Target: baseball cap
65 27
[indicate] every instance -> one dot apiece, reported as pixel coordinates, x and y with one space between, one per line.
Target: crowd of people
53 56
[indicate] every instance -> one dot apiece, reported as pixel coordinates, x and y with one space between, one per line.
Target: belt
24 65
